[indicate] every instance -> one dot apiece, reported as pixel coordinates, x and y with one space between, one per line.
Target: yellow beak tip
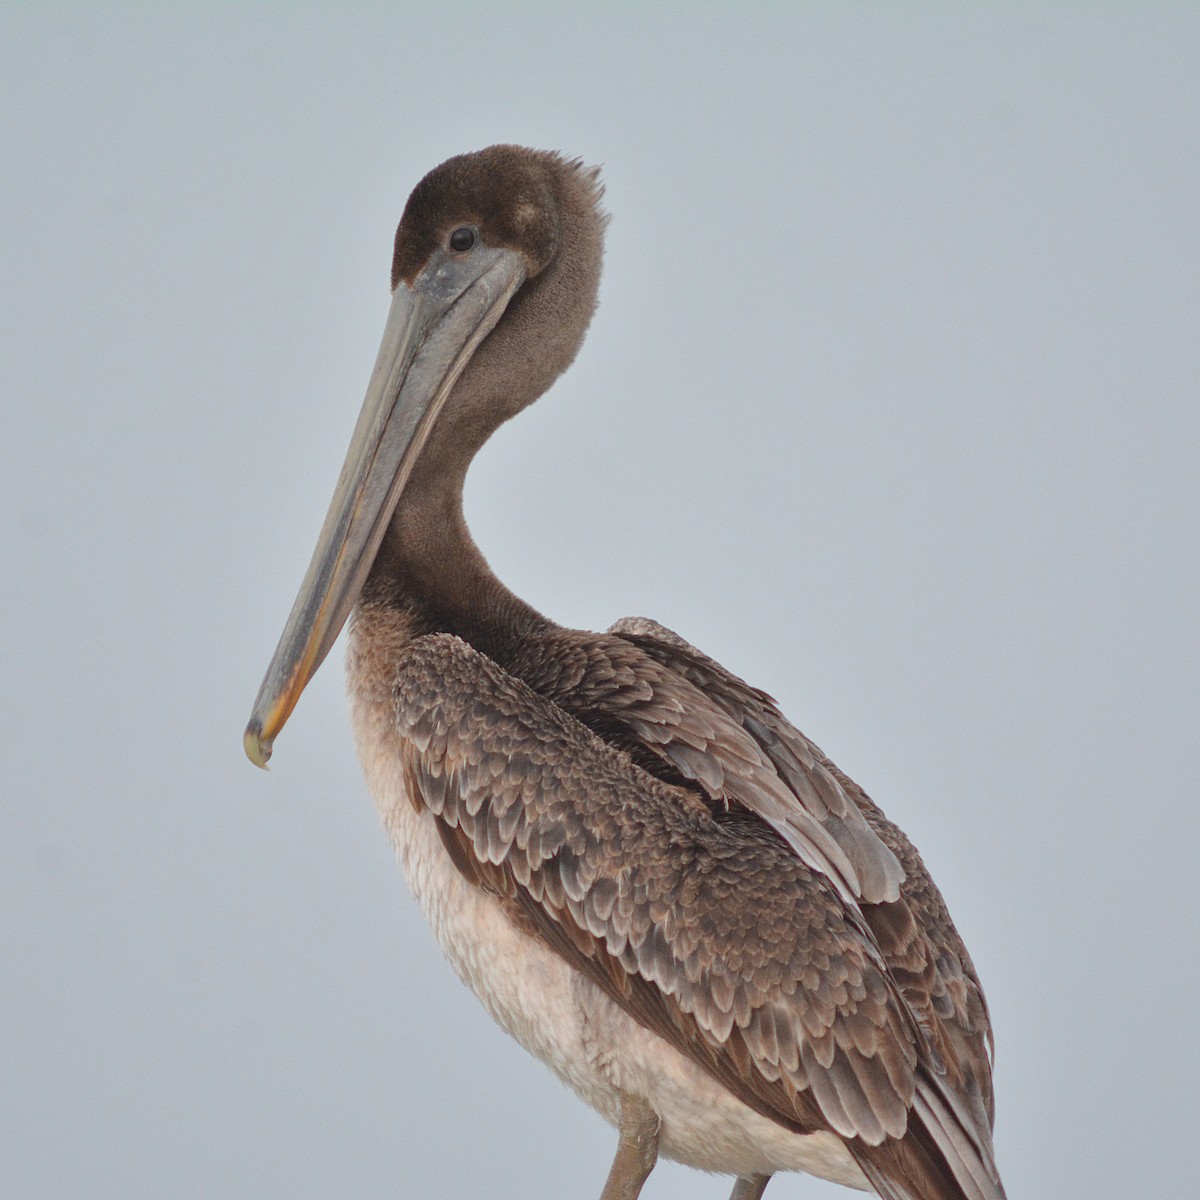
258 748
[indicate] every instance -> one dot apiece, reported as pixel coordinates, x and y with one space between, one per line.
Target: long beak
432 330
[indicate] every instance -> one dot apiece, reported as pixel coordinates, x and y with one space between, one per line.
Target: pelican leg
750 1187
637 1151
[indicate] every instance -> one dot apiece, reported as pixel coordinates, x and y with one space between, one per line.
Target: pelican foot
750 1187
637 1151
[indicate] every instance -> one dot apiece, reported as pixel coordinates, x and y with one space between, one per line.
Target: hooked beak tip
258 748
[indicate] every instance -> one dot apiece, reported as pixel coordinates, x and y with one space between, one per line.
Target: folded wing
716 936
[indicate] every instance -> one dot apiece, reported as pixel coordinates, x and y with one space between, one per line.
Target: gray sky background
890 405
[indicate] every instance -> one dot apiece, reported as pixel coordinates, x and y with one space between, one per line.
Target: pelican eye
462 238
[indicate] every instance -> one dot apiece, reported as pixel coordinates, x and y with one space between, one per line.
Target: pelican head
494 279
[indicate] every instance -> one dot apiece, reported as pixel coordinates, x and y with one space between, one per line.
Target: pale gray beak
432 330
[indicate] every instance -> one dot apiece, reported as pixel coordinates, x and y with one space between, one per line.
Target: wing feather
717 936
724 927
913 929
625 695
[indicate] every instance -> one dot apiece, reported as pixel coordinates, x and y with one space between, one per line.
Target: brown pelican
649 877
